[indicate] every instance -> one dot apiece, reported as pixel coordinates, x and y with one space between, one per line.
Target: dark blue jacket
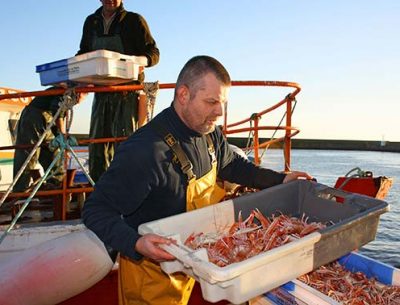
143 182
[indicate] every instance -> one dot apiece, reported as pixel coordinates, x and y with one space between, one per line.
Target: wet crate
355 224
99 67
279 296
354 262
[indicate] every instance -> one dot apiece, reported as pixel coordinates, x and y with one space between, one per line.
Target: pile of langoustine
246 238
350 288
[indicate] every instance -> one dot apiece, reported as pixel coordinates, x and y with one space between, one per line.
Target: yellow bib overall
143 282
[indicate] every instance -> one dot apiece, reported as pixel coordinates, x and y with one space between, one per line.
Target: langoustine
350 288
246 238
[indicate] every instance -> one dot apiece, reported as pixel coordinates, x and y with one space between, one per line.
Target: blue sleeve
118 193
237 169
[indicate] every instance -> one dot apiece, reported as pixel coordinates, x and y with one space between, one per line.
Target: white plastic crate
356 222
101 67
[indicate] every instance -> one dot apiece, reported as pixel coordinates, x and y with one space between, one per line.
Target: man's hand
147 245
290 176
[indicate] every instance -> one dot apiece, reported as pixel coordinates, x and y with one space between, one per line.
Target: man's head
110 6
201 92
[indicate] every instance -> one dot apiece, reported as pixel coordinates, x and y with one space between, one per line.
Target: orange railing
256 118
229 129
11 98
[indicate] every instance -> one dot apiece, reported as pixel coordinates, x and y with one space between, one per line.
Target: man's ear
183 94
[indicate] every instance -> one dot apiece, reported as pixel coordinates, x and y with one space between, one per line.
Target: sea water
327 165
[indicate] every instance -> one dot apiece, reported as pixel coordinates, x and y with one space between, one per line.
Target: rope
33 151
251 133
151 91
62 142
249 138
29 199
69 100
359 173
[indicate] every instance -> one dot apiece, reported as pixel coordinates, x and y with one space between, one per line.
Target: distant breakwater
329 144
315 144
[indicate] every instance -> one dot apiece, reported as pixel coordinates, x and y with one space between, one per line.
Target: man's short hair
199 66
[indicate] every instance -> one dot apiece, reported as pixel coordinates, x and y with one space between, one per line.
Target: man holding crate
115 114
168 167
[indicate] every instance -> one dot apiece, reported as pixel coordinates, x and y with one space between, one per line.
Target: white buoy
54 271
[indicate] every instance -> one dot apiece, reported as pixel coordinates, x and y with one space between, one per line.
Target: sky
344 54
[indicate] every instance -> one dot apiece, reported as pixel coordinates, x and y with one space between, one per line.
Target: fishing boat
10 110
49 262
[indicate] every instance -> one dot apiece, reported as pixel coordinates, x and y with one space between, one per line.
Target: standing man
115 114
168 167
32 124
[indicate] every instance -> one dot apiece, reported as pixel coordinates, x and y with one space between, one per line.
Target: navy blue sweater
143 182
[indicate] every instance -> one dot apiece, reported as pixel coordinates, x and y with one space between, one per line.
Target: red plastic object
374 187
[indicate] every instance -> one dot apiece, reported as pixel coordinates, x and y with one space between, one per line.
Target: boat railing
254 121
11 97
